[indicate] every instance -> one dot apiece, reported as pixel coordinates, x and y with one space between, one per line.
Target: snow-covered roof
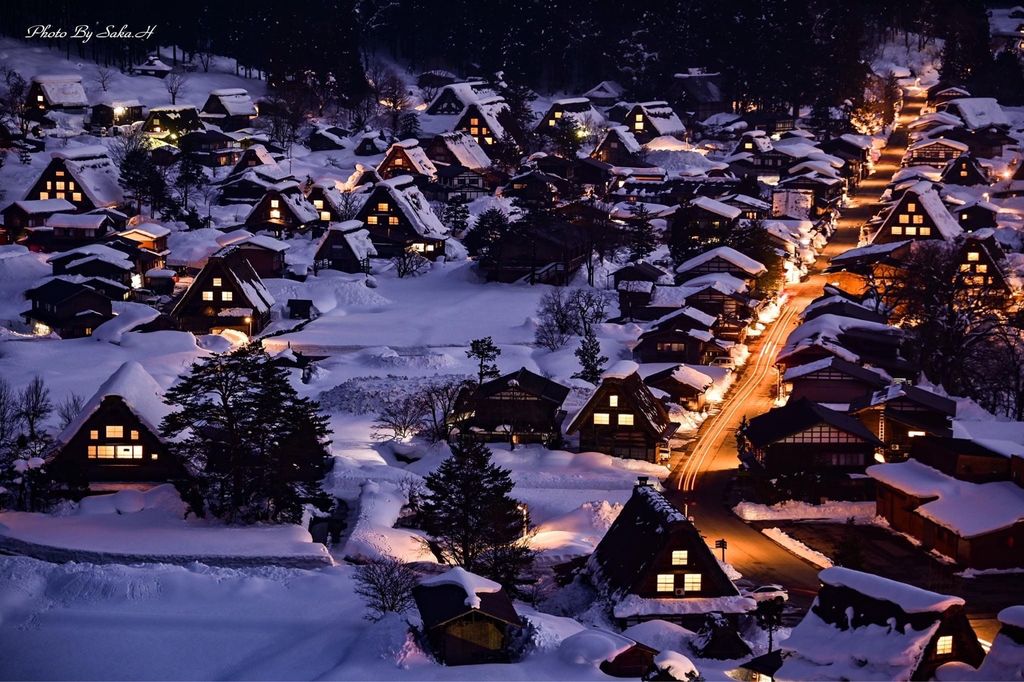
910 599
729 254
63 90
136 387
621 370
76 221
236 101
968 509
592 646
722 282
146 230
605 90
466 150
929 141
633 605
685 374
95 173
473 585
717 207
662 118
414 206
979 112
417 157
44 205
626 138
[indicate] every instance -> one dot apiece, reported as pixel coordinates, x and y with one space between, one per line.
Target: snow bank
798 548
470 583
797 510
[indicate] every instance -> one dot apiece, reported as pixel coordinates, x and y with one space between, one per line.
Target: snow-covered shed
407 157
226 294
346 247
468 619
519 407
63 92
229 109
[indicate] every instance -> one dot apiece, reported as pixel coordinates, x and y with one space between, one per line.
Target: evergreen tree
505 153
455 215
566 137
136 176
485 352
769 617
190 177
471 518
256 449
589 354
409 125
751 239
641 238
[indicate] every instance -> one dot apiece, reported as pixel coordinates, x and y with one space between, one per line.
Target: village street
700 477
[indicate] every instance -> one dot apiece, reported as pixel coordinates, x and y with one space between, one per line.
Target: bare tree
133 140
14 98
386 584
410 263
103 77
563 315
440 400
173 83
9 419
393 94
69 408
34 406
400 417
205 54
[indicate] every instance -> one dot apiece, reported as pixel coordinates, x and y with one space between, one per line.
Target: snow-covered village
512 340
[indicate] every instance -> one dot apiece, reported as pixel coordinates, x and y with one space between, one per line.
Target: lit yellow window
134 435
926 231
207 295
325 215
680 557
76 196
60 195
60 174
638 125
558 114
488 140
625 420
639 117
399 160
49 184
896 229
94 435
964 267
418 247
474 121
551 122
613 401
154 456
318 204
60 185
691 582
944 645
92 452
911 207
911 231
383 207
963 173
226 296
666 582
371 220
601 418
963 216
115 431
217 281
474 130
44 195
918 219
430 247
275 214
981 267
275 203
973 256
392 220
39 98
904 219
484 131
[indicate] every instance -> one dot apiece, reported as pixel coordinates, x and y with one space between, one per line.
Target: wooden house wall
202 316
55 182
829 386
522 411
629 442
470 639
390 229
155 463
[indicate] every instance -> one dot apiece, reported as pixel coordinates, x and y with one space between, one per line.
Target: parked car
766 593
726 362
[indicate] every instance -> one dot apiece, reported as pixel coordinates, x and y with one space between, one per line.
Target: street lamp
248 321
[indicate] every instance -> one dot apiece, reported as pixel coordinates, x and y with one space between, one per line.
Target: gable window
625 420
911 231
963 173
275 214
275 203
44 195
399 160
896 229
904 219
680 557
217 281
392 220
325 216
114 431
601 418
918 219
666 582
76 196
558 114
944 645
94 435
691 582
981 268
613 401
474 121
382 207
226 296
207 295
551 121
134 435
925 231
911 207
973 256
371 220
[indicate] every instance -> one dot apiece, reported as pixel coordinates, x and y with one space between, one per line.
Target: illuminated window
399 160
430 247
71 185
625 420
558 114
39 98
128 452
94 435
613 401
638 125
488 140
474 121
963 216
77 196
275 203
666 582
418 247
217 281
914 434
551 122
474 130
944 645
44 195
134 435
60 195
102 451
113 431
691 582
483 130
383 207
639 118
60 174
325 215
973 256
318 204
226 296
60 185
911 207
49 184
964 267
601 418
680 557
371 220
896 229
919 220
925 231
963 173
392 220
904 219
981 267
207 295
911 231
275 214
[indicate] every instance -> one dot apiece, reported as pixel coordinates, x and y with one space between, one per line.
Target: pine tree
455 215
769 617
485 352
472 519
641 237
136 175
190 177
256 449
591 361
566 137
409 125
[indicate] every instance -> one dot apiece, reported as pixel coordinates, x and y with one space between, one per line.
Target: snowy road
700 479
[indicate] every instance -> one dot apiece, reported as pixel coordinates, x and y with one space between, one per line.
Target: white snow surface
470 583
